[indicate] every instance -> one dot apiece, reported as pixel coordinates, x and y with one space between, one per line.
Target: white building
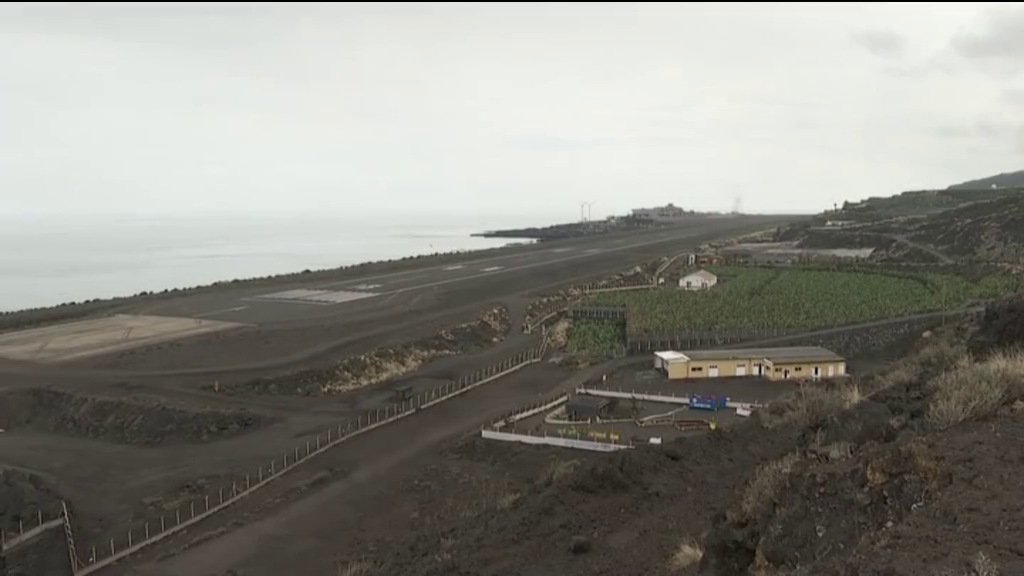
699 280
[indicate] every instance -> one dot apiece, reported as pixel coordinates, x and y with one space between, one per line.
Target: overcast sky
362 108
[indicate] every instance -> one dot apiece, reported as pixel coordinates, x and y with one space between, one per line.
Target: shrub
768 480
976 390
688 554
810 404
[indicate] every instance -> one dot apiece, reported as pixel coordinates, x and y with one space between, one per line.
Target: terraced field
754 298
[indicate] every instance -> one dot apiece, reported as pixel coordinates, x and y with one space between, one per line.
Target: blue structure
712 402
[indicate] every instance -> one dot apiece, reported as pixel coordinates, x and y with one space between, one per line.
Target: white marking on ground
306 296
491 268
366 286
592 250
457 267
561 249
215 312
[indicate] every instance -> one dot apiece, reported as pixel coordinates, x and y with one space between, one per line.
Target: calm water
49 260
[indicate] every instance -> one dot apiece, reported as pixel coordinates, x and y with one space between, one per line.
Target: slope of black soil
127 422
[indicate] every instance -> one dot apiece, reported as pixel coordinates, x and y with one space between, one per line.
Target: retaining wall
553 441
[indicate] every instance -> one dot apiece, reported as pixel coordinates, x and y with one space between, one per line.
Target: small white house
699 280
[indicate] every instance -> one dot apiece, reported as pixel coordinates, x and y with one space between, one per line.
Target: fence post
177 517
248 486
93 559
296 454
40 515
328 435
206 499
129 537
260 474
192 508
221 493
163 527
111 546
147 530
318 440
271 467
21 528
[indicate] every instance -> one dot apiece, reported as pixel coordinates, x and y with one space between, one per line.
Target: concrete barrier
553 441
684 400
530 412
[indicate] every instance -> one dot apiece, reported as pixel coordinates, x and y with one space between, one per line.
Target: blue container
712 402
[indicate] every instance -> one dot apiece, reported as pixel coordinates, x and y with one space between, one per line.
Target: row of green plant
761 298
597 338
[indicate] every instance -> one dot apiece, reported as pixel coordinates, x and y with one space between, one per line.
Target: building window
696 369
713 366
777 369
798 369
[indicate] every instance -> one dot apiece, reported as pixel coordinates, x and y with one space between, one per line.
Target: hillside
990 232
1005 180
904 472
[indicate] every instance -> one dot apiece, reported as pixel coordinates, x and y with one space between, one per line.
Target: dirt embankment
22 497
642 274
385 363
127 422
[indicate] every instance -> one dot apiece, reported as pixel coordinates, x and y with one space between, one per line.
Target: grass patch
976 390
357 568
981 565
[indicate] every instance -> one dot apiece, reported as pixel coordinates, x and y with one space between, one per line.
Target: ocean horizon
52 259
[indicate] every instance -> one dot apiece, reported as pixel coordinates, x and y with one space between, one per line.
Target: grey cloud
882 43
1014 97
1002 39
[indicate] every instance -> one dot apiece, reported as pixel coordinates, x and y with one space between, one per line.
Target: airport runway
294 323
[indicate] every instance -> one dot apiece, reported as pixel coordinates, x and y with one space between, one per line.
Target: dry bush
976 390
766 483
357 568
557 470
507 499
688 554
938 357
981 565
811 404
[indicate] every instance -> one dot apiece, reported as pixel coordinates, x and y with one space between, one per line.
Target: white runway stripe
303 295
491 268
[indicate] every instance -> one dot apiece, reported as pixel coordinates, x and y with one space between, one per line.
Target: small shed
585 408
699 280
663 359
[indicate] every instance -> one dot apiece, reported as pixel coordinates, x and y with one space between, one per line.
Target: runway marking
366 286
456 267
561 249
592 250
322 297
205 314
492 268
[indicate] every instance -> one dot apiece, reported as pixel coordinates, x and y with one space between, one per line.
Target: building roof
671 356
775 355
702 274
584 401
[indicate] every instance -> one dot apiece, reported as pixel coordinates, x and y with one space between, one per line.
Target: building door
741 369
831 370
713 371
759 369
817 372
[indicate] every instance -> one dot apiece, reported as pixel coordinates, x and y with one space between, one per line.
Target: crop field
599 338
758 298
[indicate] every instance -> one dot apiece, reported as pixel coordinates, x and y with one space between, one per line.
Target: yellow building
772 363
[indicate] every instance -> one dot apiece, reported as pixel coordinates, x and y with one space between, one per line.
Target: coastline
336 273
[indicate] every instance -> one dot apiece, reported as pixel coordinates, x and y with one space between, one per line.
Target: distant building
699 280
665 212
792 363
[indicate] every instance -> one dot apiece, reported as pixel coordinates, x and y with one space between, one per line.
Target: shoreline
394 264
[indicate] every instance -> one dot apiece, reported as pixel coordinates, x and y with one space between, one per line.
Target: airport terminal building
790 363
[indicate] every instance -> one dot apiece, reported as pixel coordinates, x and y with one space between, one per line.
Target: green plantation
597 337
749 298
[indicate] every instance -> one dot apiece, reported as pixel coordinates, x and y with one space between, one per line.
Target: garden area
795 298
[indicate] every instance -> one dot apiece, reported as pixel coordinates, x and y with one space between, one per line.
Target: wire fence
134 536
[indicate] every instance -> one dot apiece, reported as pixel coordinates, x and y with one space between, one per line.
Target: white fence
553 441
9 542
684 400
526 413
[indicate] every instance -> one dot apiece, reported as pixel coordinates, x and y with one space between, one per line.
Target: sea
50 259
